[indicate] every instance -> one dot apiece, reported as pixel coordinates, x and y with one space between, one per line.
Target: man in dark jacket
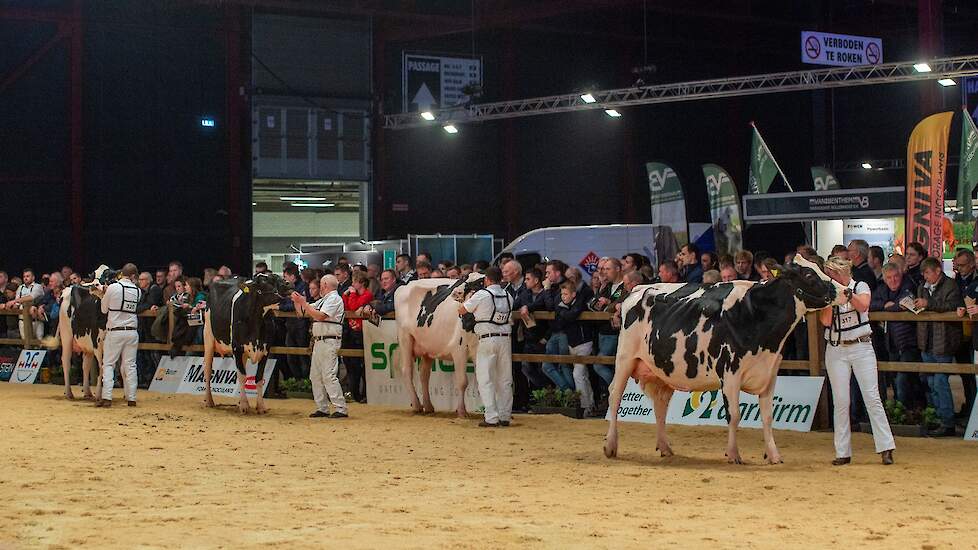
964 276
383 302
531 299
939 340
859 256
610 294
913 255
900 338
151 299
569 336
296 329
690 271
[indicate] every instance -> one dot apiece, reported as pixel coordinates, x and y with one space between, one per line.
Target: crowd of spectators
553 286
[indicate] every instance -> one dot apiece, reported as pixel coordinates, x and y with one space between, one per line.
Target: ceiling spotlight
450 128
947 82
314 205
921 67
301 198
588 98
612 113
427 115
867 166
254 204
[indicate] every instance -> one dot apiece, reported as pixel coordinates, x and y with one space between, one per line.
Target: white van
581 245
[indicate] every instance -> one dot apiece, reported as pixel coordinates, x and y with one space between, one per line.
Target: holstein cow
429 328
81 329
239 322
692 337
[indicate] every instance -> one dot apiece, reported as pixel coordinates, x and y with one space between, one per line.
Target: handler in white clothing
327 335
492 307
27 293
850 352
119 302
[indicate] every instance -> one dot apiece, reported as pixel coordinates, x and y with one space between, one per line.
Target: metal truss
867 75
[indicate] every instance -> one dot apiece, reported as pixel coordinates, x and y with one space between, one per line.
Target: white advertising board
186 375
27 366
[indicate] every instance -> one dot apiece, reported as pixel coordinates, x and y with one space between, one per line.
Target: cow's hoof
773 458
88 397
69 396
428 409
734 458
610 451
461 415
261 410
664 453
244 409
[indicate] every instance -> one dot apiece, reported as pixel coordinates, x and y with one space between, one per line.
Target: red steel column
75 139
507 142
380 203
232 41
930 44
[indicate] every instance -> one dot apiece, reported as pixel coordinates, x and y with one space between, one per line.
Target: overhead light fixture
867 166
427 115
612 113
450 128
588 98
314 204
301 198
254 204
947 82
921 67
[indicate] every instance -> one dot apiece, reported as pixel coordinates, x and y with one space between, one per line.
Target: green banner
724 209
968 167
823 179
668 212
763 169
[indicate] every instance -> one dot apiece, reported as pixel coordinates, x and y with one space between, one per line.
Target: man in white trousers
119 301
492 307
327 334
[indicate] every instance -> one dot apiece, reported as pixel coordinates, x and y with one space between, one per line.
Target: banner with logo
823 179
876 232
795 399
968 166
724 210
763 167
668 211
27 366
186 375
8 357
926 167
385 384
971 432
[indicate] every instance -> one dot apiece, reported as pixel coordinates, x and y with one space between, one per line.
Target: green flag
724 209
823 179
968 165
668 212
763 168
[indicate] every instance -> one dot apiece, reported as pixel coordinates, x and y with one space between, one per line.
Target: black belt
491 334
321 338
860 340
121 328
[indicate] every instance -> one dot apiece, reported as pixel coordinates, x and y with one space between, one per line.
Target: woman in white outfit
850 351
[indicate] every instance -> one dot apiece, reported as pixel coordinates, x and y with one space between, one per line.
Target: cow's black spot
252 325
692 361
638 311
86 314
431 301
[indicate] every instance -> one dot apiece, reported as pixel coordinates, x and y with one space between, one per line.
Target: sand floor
169 474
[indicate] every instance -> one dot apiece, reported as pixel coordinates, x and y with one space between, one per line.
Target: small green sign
390 256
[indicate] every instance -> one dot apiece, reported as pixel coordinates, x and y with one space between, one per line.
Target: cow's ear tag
775 272
246 289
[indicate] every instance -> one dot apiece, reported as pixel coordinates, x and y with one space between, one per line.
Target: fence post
27 324
821 420
169 330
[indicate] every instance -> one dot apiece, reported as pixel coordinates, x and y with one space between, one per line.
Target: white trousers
119 345
36 326
326 387
494 373
581 381
860 360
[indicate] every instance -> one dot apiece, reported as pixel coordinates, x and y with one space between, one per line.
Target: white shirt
35 290
332 305
484 305
119 303
849 317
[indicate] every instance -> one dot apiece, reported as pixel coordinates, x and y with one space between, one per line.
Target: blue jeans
562 375
940 390
607 345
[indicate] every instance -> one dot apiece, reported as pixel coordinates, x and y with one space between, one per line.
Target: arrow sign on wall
423 99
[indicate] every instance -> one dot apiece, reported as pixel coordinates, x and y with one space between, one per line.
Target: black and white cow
239 322
81 329
693 337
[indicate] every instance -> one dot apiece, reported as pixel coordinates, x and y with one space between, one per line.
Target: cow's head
268 288
473 282
103 276
810 285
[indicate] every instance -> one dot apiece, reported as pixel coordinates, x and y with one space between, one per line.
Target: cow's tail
51 342
64 316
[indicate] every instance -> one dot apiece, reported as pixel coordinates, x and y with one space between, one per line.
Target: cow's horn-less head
474 282
810 285
270 287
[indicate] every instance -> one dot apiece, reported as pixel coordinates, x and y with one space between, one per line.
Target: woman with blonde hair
850 352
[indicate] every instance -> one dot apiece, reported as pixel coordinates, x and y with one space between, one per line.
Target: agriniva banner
724 209
926 168
668 212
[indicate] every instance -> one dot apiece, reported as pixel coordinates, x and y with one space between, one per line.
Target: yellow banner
926 168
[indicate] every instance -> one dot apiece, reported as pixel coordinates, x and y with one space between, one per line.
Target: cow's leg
259 386
425 375
623 369
461 379
766 402
88 361
243 405
731 396
64 334
208 360
661 393
406 348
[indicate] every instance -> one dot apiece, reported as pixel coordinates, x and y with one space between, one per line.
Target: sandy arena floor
170 474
